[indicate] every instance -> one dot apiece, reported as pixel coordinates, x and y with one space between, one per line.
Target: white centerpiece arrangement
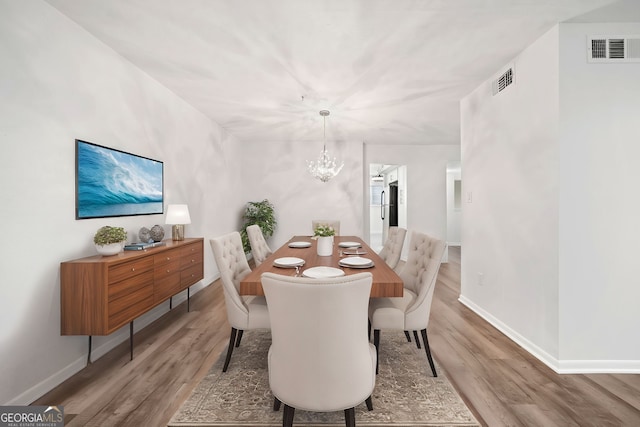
324 235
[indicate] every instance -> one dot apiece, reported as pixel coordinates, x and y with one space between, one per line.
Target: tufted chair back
233 266
419 275
392 249
330 222
320 357
259 248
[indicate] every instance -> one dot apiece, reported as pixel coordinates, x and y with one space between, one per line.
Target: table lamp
178 216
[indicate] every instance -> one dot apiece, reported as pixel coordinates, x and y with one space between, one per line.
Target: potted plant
324 235
109 240
260 213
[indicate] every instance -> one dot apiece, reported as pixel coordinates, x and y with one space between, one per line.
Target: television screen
111 182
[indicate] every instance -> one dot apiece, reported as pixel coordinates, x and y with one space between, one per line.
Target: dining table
386 282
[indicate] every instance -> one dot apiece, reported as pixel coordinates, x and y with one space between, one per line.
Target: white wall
58 83
599 205
550 163
278 172
426 196
510 228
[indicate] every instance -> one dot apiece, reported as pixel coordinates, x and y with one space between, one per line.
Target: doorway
387 201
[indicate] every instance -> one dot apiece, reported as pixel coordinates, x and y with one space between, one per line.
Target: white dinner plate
356 262
355 252
349 244
322 272
299 244
288 262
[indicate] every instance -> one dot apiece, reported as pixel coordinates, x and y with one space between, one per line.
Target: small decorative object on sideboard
110 240
156 233
144 235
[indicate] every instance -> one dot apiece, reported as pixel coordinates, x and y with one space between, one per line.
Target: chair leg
276 404
232 338
428 351
369 403
415 335
406 334
239 338
287 417
350 417
376 342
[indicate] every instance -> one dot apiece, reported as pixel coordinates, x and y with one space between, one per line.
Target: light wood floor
501 383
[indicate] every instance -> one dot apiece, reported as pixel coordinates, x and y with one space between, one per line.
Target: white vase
110 249
325 246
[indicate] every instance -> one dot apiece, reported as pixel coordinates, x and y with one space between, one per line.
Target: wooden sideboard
100 294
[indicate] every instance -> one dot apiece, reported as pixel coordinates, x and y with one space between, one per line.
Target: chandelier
325 167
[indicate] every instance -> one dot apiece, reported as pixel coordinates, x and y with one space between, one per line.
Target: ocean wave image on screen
112 183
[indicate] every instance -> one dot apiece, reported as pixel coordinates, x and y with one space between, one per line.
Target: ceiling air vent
503 81
613 49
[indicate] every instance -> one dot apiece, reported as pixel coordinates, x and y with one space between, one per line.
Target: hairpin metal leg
188 299
131 338
89 354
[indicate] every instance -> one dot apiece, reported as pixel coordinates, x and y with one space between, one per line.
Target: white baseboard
33 393
116 338
558 366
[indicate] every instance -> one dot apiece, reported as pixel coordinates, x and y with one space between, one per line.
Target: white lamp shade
178 214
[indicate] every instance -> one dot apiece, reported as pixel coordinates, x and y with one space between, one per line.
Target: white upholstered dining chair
320 358
392 248
328 222
243 312
411 312
259 248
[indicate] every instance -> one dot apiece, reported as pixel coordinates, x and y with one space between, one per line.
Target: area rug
406 393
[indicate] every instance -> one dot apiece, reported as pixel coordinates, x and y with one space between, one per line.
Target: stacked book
141 246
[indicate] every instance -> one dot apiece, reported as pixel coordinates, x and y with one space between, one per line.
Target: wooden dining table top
386 283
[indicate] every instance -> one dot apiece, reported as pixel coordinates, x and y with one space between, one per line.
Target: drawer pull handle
168 271
133 269
168 258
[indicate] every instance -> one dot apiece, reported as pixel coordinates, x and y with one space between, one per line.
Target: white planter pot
325 246
110 249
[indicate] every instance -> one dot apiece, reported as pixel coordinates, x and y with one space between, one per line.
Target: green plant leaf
259 213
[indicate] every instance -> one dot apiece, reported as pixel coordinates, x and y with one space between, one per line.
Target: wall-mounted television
111 182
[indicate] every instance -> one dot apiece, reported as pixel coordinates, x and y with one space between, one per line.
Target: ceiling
390 71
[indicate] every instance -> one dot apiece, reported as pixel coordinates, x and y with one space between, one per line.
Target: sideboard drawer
130 306
167 257
191 255
126 270
125 287
191 275
166 286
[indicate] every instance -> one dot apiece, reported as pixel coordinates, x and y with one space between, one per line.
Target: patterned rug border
399 398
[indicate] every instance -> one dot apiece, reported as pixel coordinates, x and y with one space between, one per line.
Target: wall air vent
613 49
505 79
